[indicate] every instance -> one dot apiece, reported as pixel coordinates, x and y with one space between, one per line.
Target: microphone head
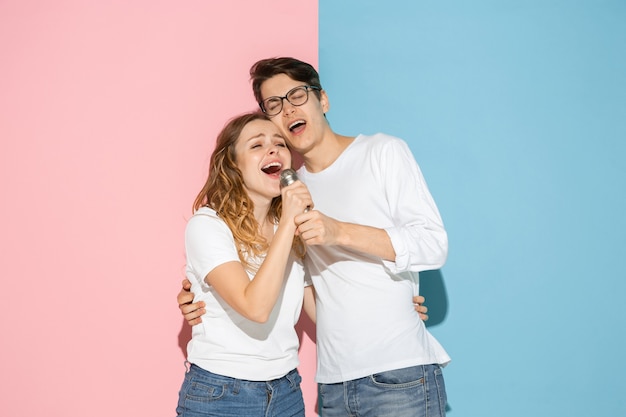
288 177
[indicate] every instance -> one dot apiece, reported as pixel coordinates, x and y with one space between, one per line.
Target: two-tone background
515 111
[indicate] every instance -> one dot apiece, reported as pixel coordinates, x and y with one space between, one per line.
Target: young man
373 227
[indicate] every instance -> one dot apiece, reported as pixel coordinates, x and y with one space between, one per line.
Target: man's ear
324 101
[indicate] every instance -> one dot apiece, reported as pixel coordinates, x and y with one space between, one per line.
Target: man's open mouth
297 124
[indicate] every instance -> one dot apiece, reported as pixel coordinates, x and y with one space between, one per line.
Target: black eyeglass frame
285 97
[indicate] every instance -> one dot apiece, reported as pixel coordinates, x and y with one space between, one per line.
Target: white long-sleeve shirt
366 322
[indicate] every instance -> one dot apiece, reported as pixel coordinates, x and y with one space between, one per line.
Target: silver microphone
288 177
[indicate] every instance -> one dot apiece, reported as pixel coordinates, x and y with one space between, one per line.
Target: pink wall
108 112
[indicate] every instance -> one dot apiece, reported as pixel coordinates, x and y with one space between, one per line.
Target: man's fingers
192 316
194 321
192 313
188 308
184 297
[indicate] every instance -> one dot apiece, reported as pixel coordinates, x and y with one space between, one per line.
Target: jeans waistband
290 377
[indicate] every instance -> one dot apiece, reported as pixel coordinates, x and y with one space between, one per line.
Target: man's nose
288 108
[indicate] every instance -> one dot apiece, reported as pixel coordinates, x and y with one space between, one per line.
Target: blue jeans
206 394
417 391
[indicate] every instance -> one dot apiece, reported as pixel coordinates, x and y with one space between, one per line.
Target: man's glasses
296 96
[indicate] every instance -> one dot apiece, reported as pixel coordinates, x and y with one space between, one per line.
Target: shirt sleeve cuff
401 262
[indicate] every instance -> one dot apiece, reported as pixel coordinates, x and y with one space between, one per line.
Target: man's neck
327 152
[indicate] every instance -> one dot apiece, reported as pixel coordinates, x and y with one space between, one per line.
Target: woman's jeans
207 394
418 391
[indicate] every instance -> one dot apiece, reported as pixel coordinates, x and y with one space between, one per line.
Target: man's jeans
417 391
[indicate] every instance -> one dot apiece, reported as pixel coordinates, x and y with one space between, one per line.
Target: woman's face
262 154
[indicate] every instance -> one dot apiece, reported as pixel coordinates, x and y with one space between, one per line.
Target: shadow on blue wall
433 289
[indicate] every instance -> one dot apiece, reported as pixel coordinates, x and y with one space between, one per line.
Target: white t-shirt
366 322
225 342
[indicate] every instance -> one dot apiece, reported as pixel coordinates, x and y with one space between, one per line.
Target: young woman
244 263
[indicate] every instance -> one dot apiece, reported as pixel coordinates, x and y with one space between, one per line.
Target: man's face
302 126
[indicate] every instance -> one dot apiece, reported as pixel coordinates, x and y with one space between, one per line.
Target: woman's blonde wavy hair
224 192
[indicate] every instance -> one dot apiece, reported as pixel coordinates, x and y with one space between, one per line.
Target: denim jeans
206 394
417 391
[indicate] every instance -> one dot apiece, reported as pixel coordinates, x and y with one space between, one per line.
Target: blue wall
516 112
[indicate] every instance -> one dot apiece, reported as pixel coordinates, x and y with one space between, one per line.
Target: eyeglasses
296 96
